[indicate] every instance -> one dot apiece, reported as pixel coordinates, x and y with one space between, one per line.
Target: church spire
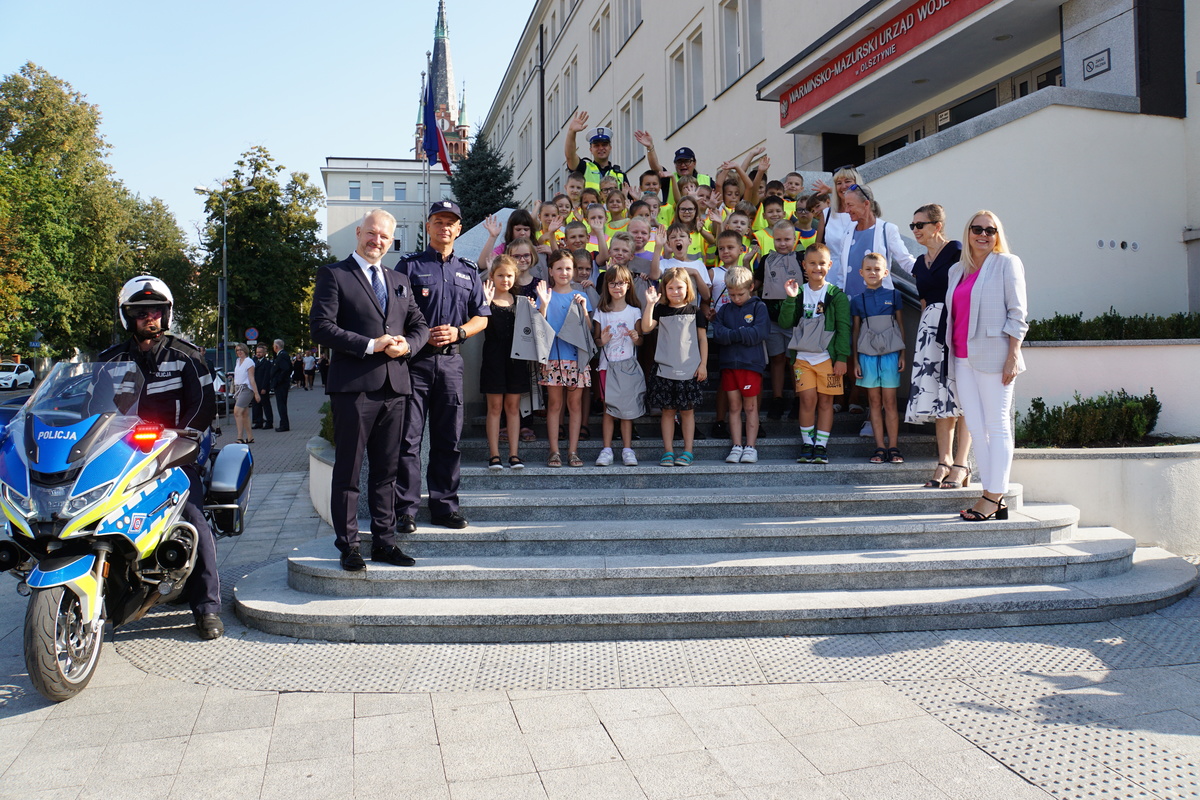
462 107
442 68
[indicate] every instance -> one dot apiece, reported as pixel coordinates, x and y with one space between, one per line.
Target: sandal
879 456
965 482
684 459
855 408
667 460
573 460
555 460
936 482
894 456
584 433
515 462
495 464
240 441
527 435
837 408
971 515
504 435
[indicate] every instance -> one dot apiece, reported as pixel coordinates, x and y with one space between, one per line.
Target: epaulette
470 263
184 346
410 256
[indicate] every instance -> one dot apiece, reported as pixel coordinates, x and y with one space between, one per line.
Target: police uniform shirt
448 292
593 173
178 390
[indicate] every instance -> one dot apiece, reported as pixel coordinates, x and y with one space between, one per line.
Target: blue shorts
880 372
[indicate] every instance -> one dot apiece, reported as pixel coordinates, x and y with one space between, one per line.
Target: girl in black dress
502 379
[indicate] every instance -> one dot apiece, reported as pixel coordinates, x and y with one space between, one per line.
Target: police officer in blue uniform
449 293
178 393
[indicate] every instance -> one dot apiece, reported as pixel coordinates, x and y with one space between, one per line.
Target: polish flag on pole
434 142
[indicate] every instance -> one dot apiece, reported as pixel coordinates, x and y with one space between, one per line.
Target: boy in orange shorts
819 315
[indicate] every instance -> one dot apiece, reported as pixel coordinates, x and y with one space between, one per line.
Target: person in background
281 381
987 309
310 369
262 416
600 145
246 393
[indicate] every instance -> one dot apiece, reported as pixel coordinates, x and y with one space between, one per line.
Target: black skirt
499 373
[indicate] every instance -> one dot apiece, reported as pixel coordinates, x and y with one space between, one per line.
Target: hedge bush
1111 418
1112 326
326 413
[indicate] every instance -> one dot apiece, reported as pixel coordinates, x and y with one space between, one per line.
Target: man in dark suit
263 416
281 381
367 316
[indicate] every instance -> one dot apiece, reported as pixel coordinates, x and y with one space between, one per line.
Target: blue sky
185 87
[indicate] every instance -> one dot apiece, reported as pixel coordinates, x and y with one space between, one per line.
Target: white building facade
354 186
1069 120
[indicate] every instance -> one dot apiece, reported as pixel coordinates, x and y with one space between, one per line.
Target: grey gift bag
810 336
577 330
678 351
879 335
624 389
532 334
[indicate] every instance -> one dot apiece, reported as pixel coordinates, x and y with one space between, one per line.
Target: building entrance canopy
894 56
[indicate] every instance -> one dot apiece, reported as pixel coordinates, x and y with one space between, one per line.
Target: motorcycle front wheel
61 653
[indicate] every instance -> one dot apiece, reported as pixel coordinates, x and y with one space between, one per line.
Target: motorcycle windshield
72 393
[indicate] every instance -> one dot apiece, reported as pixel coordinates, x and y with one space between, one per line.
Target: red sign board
911 27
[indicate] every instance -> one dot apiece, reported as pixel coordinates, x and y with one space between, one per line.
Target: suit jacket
998 311
263 368
346 316
281 372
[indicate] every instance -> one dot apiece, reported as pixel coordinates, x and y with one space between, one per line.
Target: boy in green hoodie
819 313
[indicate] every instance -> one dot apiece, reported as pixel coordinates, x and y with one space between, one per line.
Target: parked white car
15 376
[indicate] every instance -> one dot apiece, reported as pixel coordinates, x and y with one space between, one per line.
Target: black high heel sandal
971 515
964 483
936 483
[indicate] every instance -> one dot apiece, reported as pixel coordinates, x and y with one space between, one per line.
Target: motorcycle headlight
20 501
48 501
81 501
146 473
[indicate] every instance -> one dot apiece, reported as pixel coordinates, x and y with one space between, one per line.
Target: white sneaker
866 429
735 454
749 455
628 457
605 458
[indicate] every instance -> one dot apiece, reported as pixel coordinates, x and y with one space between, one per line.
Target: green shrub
1108 419
327 422
1111 326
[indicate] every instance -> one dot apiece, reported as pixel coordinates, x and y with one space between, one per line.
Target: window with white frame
629 16
401 189
356 190
629 119
553 118
601 43
525 145
377 191
741 38
686 71
570 87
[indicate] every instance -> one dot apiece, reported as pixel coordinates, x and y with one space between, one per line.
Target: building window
355 190
570 87
401 190
553 120
525 145
447 192
741 38
630 119
377 191
629 16
601 43
687 80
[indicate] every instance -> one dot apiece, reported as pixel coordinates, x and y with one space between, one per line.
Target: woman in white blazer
859 203
987 313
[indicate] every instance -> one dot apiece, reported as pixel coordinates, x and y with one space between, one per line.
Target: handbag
532 334
879 335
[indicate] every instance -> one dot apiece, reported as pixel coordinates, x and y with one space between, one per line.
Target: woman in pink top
986 306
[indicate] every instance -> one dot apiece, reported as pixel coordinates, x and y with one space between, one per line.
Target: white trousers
986 404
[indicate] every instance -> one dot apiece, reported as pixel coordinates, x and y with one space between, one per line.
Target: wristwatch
462 333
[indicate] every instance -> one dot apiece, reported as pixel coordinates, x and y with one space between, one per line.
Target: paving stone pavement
1099 710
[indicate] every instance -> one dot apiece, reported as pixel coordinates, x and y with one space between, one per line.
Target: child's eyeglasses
979 230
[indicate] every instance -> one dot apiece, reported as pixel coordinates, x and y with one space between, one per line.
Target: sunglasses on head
861 189
979 230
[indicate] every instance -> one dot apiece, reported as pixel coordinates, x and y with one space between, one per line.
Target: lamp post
223 289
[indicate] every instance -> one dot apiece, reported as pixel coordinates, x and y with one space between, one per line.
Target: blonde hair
678 274
618 273
1001 245
502 261
835 201
739 278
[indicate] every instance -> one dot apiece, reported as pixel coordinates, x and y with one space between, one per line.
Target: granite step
688 503
264 601
703 474
1032 524
1092 553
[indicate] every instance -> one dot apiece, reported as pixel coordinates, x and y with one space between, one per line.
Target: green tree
274 247
482 182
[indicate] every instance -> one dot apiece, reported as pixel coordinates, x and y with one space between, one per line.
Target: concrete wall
1057 370
1053 179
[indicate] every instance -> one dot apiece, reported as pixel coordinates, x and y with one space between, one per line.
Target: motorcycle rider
177 393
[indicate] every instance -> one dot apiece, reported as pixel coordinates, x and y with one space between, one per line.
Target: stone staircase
716 550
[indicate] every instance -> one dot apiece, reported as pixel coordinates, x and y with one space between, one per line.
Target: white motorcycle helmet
141 292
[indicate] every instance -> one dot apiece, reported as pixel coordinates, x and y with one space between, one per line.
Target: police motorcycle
93 500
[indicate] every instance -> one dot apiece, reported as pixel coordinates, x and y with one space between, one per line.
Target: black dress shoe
352 560
406 524
452 520
209 626
390 554
282 430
